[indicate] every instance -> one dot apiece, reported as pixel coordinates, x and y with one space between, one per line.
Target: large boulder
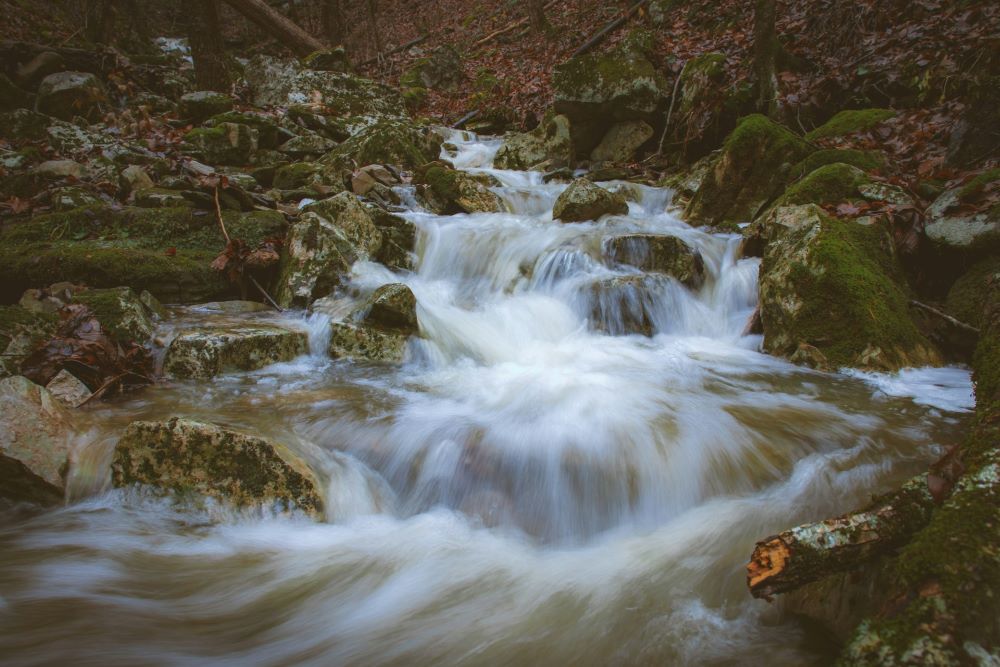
657 253
201 105
68 94
205 353
952 227
548 146
441 70
608 87
35 443
447 191
322 246
270 134
622 141
583 200
751 170
832 295
224 144
850 122
624 305
399 238
395 142
245 471
350 340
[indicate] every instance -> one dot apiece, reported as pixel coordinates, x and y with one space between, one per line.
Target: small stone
120 312
40 301
392 307
362 182
584 201
135 178
61 169
68 389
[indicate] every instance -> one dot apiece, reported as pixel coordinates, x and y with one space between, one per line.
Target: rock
68 389
442 70
35 443
394 142
40 302
120 312
68 94
186 456
864 160
61 169
322 245
307 145
160 198
964 233
270 134
357 341
205 353
658 253
662 12
548 146
362 182
624 305
21 331
447 191
135 178
398 239
750 171
622 141
225 144
296 175
328 60
850 122
583 201
35 70
71 198
201 105
968 296
391 308
610 87
836 287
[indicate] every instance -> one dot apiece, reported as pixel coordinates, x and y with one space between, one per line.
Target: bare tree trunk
765 54
205 36
100 21
372 7
333 21
536 16
300 42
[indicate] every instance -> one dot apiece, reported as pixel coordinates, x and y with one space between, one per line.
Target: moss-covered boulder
622 141
395 142
751 169
392 308
548 146
399 237
867 161
68 94
201 105
657 253
446 191
351 340
245 471
441 70
21 331
583 201
838 182
229 144
951 227
35 443
850 122
207 352
322 246
122 312
832 295
968 295
307 145
608 87
270 134
296 175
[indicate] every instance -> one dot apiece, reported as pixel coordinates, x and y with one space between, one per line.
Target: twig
670 111
218 216
265 294
945 316
606 30
521 21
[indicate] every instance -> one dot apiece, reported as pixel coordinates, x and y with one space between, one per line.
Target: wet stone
205 353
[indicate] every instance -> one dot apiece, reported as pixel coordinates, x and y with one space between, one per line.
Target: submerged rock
624 305
584 200
205 353
186 456
68 94
322 245
659 253
832 294
447 191
34 443
548 146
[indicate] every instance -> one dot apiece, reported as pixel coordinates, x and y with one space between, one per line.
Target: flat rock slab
357 341
186 456
205 353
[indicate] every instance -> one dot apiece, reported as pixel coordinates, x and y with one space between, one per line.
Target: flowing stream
534 486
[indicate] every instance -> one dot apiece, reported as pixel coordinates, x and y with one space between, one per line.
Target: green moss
864 160
975 187
267 128
967 296
295 175
849 122
751 170
387 142
829 184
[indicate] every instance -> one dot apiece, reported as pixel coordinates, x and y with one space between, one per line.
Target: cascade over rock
583 200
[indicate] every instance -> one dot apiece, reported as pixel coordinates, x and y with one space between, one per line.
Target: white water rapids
534 486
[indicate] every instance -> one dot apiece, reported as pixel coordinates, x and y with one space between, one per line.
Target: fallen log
96 61
297 40
801 555
602 34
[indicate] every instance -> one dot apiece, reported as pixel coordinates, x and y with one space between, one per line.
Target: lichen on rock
583 201
207 352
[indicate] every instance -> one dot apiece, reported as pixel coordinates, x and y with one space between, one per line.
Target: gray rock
391 307
203 104
68 94
307 145
622 141
360 342
229 144
35 443
69 198
120 311
583 201
548 146
949 228
42 65
245 471
22 331
205 353
61 169
608 87
658 253
444 190
68 389
135 178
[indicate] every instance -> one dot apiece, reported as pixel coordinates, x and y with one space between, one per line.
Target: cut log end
768 561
